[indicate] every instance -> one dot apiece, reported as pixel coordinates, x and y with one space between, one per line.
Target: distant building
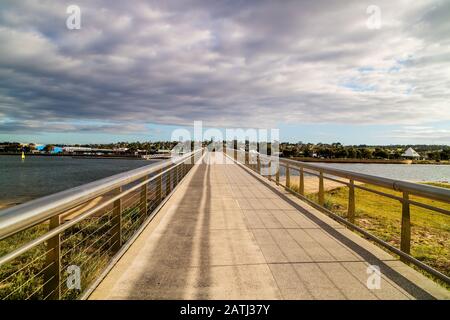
76 149
164 151
411 153
89 151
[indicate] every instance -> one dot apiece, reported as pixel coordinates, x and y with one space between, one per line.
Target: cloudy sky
136 70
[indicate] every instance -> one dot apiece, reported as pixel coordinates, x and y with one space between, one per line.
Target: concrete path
228 234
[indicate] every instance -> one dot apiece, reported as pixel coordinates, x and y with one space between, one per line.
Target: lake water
408 172
38 176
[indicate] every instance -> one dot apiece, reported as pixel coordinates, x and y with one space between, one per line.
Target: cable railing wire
88 237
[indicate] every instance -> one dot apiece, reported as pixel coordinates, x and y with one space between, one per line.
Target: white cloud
422 133
251 63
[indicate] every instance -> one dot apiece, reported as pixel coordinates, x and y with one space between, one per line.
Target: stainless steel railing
56 247
353 180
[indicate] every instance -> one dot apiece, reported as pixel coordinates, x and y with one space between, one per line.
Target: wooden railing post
176 171
258 164
235 154
277 174
288 177
301 186
116 239
168 182
52 273
351 202
321 190
269 170
174 176
159 187
144 197
405 242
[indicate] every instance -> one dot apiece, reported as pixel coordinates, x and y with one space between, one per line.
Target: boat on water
23 155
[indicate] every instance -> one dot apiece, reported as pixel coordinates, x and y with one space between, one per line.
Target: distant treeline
287 149
150 147
337 150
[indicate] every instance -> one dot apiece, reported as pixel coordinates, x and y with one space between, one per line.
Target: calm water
39 176
408 172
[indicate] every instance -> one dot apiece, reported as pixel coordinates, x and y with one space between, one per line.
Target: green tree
341 153
445 154
380 153
366 153
351 152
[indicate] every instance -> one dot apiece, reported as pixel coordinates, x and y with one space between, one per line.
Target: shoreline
76 156
369 161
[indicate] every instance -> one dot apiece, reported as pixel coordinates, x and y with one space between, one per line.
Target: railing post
173 171
159 187
258 164
144 197
405 242
321 190
168 182
269 170
351 202
277 175
175 176
288 177
117 222
52 273
235 154
302 183
246 158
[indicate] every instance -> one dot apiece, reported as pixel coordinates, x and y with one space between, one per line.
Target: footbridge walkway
207 226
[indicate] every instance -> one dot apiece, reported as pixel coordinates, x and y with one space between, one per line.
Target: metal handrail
422 190
26 215
152 185
14 254
255 162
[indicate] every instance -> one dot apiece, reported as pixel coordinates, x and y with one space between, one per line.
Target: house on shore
410 153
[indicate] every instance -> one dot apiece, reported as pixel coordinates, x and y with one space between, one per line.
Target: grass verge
381 216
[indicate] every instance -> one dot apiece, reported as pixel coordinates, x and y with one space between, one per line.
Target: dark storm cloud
228 63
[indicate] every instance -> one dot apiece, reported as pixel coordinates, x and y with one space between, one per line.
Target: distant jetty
89 156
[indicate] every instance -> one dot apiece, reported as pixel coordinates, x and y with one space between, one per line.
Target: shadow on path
369 257
184 241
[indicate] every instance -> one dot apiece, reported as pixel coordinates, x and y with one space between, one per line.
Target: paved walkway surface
228 234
